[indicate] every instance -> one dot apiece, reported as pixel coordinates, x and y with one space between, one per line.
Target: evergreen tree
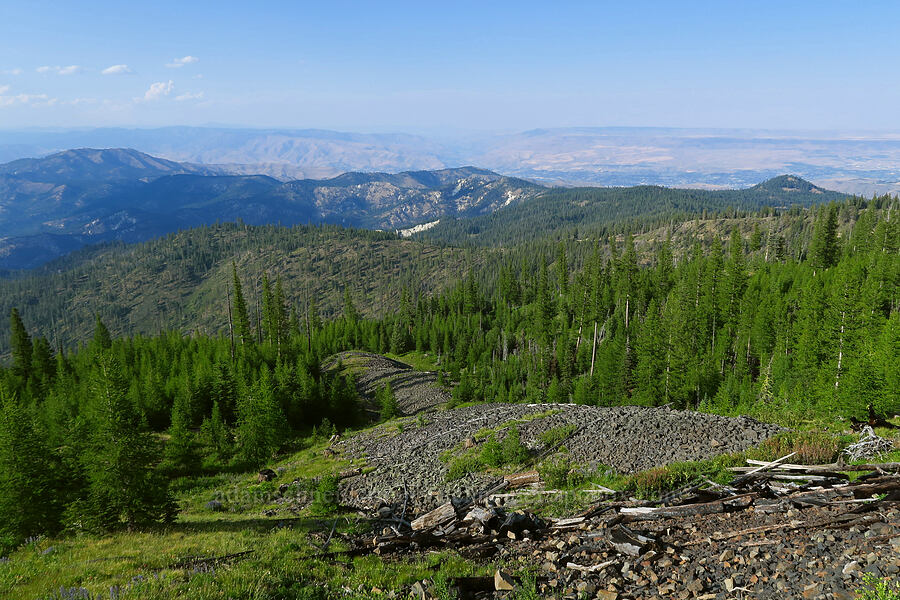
275 320
241 316
755 238
388 402
399 340
562 270
544 308
259 427
30 502
216 435
824 247
21 346
181 450
123 486
351 315
43 367
102 339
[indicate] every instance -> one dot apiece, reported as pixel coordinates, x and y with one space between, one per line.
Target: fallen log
647 513
531 493
517 480
627 542
838 523
880 486
561 523
889 466
793 474
197 561
678 494
763 467
350 473
590 568
442 514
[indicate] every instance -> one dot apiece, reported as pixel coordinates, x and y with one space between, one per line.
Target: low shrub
325 501
557 435
878 589
658 481
514 452
491 453
812 447
463 465
559 473
388 402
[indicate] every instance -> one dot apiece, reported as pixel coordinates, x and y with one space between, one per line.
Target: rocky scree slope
415 391
626 439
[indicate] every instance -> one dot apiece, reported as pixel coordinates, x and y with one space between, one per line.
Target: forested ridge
566 212
782 317
179 281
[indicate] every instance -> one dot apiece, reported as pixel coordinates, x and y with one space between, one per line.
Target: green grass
421 361
811 447
557 435
656 482
282 564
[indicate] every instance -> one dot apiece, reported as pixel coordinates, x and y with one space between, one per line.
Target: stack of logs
479 528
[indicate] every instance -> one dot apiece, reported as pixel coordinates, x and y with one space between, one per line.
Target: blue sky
447 67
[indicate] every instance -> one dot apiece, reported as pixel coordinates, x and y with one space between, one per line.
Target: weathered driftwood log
642 513
517 480
626 541
350 473
841 522
590 568
888 466
442 514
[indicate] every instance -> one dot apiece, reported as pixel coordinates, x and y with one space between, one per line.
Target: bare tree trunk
308 332
594 349
230 323
668 365
259 336
837 374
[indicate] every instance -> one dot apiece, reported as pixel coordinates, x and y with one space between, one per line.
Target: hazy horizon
506 67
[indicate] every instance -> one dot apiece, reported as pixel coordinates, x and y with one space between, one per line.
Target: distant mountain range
50 206
854 162
586 212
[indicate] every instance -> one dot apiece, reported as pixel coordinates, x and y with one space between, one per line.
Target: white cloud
12 72
177 63
189 96
32 99
158 90
69 70
80 101
116 70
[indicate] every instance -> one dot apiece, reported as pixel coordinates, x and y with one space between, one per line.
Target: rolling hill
179 281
